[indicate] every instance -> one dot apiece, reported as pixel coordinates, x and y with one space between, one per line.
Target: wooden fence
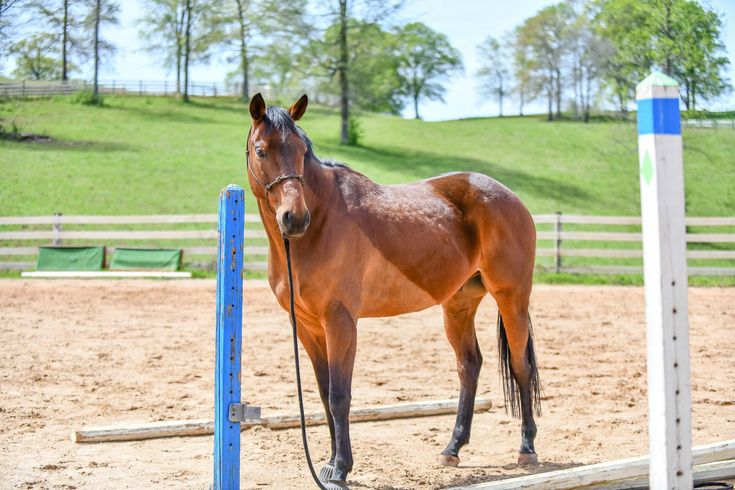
24 88
708 123
566 243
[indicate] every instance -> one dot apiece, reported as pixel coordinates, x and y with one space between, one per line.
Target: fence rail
708 123
25 88
579 244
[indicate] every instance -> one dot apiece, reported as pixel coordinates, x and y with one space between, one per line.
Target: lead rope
292 314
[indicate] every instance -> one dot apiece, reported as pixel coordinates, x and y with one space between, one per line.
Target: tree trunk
522 97
179 49
65 42
667 33
187 49
500 96
558 93
344 87
587 100
578 88
416 104
244 62
694 97
97 13
550 93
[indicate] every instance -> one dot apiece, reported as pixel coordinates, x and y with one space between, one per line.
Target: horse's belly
388 292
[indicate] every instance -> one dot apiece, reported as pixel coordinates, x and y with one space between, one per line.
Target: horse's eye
260 153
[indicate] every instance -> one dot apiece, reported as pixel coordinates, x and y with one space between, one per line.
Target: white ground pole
665 276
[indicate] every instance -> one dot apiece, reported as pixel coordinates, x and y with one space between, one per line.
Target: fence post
140 87
214 89
665 279
557 245
24 87
165 87
228 337
57 228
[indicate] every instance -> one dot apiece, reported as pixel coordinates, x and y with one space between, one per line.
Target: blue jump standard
228 338
659 116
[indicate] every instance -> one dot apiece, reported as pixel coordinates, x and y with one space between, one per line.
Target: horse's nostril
287 218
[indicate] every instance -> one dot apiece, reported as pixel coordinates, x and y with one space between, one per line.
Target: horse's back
501 223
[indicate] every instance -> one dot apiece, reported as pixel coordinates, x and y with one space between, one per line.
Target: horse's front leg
341 335
316 347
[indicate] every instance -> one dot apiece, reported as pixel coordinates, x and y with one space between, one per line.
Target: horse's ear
257 107
299 108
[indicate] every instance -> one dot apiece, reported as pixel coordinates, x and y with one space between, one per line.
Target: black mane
279 119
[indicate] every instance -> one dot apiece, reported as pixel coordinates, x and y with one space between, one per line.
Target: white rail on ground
618 474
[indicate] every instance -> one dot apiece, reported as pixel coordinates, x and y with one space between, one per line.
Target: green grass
155 155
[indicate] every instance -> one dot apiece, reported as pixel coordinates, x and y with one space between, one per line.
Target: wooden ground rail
569 243
711 461
179 428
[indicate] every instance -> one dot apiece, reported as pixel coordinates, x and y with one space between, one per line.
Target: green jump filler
665 276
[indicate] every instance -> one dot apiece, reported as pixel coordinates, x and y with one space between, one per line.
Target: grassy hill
156 155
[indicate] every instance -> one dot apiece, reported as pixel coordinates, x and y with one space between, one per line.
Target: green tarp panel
70 258
146 259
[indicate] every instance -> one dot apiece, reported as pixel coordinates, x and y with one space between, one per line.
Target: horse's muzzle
292 225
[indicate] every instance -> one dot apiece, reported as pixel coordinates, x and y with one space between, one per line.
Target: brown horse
370 250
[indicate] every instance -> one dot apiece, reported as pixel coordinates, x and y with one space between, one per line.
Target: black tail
511 393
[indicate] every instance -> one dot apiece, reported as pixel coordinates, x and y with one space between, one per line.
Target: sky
465 22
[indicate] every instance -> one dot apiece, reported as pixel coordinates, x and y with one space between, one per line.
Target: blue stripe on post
659 116
228 337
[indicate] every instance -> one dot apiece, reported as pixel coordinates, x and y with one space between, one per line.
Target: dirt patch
78 353
26 137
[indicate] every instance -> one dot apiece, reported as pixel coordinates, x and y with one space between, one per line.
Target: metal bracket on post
241 412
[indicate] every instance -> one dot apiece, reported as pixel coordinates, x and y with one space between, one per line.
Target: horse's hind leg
518 366
459 324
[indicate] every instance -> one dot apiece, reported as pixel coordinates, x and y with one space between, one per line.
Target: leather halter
276 181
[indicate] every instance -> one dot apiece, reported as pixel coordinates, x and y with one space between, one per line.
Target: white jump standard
665 275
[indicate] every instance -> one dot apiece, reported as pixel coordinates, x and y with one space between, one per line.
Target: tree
101 12
623 23
61 17
36 57
163 30
8 10
182 32
493 72
270 32
680 37
373 78
545 35
589 55
689 48
524 68
426 58
333 55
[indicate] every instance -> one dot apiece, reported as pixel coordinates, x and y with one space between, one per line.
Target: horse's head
276 155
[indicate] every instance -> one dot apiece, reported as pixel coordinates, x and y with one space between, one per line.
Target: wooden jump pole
665 278
181 428
713 461
228 337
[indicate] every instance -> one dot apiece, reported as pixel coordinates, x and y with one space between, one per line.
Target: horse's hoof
527 459
335 485
326 473
448 460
